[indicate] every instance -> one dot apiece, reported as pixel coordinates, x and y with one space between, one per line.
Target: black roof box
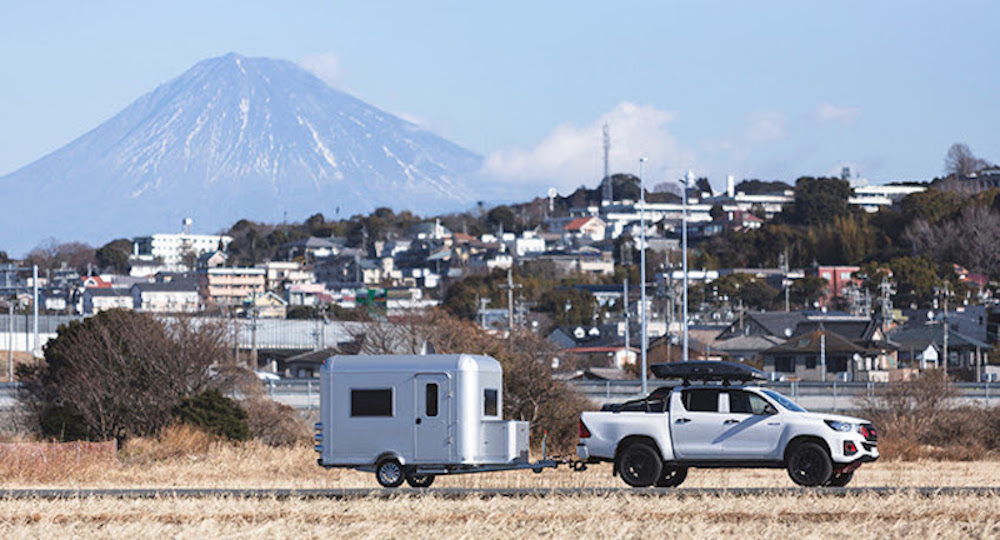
708 371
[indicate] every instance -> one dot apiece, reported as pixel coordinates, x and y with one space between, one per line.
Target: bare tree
960 161
969 240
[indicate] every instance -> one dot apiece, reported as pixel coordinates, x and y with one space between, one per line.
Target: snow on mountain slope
231 138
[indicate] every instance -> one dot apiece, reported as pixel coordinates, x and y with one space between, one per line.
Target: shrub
120 373
214 413
275 424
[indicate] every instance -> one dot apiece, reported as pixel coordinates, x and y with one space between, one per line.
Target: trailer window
490 402
374 402
431 394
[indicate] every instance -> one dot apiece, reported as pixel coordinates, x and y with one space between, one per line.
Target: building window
375 402
784 364
490 401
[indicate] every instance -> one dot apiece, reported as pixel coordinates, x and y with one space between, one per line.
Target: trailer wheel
639 465
420 480
389 473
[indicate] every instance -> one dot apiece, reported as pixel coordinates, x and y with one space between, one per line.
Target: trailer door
434 441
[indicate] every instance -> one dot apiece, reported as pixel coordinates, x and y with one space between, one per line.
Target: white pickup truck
653 441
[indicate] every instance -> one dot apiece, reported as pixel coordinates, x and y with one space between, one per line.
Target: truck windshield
783 401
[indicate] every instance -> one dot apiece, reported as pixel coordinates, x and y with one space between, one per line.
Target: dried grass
185 458
898 515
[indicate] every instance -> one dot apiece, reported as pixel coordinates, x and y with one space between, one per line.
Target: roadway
463 493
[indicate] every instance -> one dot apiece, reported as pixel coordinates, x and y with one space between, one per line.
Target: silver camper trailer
409 418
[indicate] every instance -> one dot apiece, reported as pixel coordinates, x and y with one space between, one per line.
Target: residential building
312 248
171 249
96 300
279 274
172 297
228 287
585 229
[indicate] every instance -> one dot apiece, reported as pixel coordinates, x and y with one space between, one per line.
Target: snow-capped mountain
233 137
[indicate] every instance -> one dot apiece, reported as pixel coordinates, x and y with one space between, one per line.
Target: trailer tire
639 465
420 480
389 472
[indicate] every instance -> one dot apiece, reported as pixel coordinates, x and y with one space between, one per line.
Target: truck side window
746 403
490 402
374 402
701 400
431 395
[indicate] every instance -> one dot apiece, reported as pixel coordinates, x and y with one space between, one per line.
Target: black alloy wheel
640 465
840 480
810 465
672 476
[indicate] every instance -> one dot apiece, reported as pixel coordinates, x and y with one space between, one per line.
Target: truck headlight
840 426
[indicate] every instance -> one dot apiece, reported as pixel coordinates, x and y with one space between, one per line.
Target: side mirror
769 409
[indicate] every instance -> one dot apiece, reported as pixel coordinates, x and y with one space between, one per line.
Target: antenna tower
608 188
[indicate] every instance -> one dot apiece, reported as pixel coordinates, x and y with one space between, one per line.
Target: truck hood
835 417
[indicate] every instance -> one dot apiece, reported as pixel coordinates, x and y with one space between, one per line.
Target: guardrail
303 394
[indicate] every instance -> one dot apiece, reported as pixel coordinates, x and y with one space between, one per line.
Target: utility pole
510 286
783 260
945 337
642 277
10 340
684 248
822 352
34 285
628 325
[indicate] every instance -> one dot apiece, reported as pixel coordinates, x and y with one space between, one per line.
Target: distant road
462 493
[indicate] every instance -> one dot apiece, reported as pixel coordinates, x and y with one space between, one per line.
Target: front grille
869 432
869 446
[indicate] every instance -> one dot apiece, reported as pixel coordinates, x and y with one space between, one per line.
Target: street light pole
642 274
684 258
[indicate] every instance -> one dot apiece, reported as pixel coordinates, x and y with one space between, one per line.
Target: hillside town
849 325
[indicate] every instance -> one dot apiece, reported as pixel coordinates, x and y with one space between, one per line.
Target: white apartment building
171 248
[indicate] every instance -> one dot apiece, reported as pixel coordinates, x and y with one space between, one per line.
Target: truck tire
389 473
420 480
809 465
840 480
672 476
639 465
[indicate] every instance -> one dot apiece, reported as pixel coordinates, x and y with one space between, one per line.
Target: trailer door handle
419 420
683 420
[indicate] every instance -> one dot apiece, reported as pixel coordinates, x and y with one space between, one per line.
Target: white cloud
571 155
326 66
766 126
828 112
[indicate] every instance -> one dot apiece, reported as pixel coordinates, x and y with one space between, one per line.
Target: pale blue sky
773 90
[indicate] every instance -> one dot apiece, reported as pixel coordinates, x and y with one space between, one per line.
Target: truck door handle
683 420
418 421
730 421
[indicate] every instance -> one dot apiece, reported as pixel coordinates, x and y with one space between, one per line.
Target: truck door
754 428
433 439
696 425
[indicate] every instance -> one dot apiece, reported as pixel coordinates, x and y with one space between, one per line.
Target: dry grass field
186 460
